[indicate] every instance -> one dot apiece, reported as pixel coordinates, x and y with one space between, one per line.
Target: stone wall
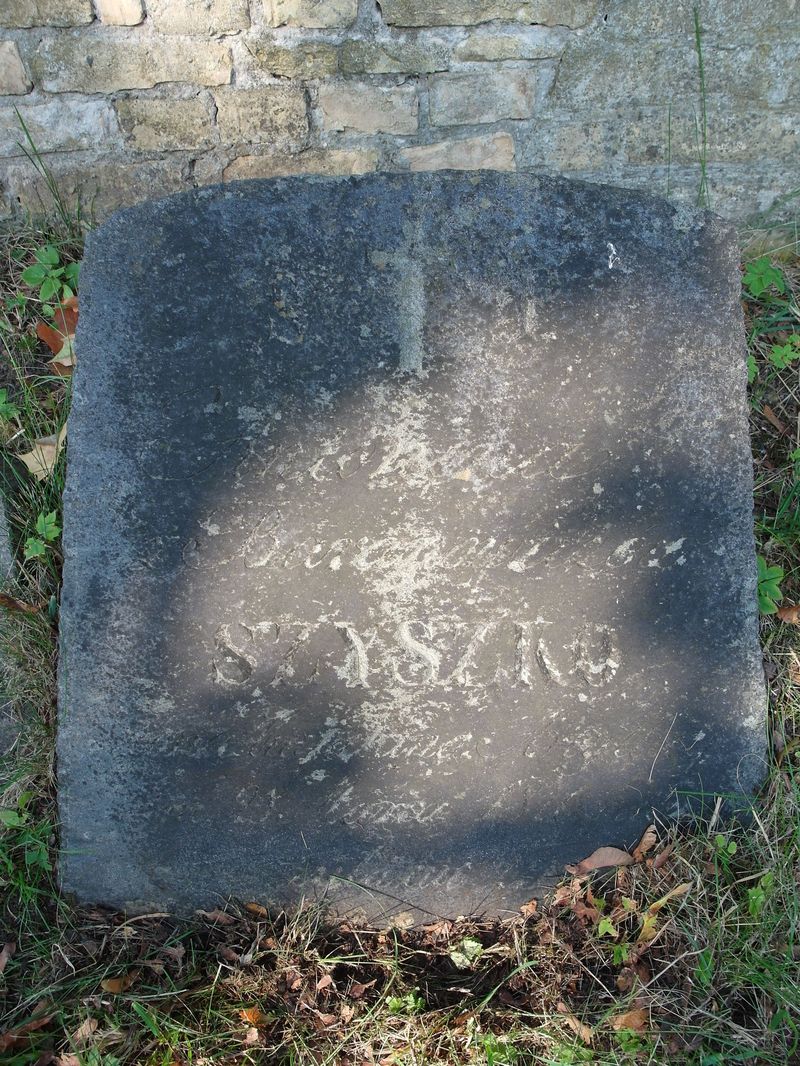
129 99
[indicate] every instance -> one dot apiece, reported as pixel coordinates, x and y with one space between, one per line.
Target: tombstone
408 541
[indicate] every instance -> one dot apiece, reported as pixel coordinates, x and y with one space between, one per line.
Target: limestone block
165 124
334 161
305 60
470 98
495 152
572 13
13 78
64 124
367 108
275 114
535 42
394 56
120 12
198 16
311 14
75 63
21 13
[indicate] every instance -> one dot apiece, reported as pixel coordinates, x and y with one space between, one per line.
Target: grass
690 955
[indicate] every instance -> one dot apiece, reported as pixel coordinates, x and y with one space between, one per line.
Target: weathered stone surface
198 16
535 42
314 59
311 14
21 13
369 108
66 125
394 56
573 13
495 152
120 12
275 114
334 161
157 124
424 521
13 78
466 99
72 63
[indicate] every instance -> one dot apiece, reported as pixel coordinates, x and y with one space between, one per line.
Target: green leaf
66 292
606 928
34 275
48 255
752 369
761 275
783 355
47 527
465 954
72 272
35 548
49 289
769 590
11 819
7 409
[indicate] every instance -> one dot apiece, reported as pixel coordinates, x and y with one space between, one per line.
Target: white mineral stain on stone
210 527
624 552
597 489
674 546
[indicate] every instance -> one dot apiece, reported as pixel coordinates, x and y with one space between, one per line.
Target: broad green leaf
606 928
704 973
72 272
47 527
466 953
7 409
48 255
34 275
35 548
49 289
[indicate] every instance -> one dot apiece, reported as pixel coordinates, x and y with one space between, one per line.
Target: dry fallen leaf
771 417
663 855
253 1016
324 982
11 603
584 1032
790 613
63 362
600 858
84 1033
217 916
257 910
116 985
13 1036
646 844
529 909
42 458
6 953
251 1036
636 1019
357 989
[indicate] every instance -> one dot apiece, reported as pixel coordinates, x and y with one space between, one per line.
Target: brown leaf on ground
117 985
346 1012
529 909
324 982
49 336
63 362
663 855
257 910
646 844
252 1036
600 858
772 418
637 1019
42 458
66 316
67 1060
6 953
220 917
84 1033
790 613
228 954
253 1016
585 912
581 1030
11 1037
11 603
357 989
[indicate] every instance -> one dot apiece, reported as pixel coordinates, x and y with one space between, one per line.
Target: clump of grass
689 955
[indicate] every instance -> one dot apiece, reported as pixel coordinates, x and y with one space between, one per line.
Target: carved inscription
412 654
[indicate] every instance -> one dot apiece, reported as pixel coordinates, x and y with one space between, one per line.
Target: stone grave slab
408 541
